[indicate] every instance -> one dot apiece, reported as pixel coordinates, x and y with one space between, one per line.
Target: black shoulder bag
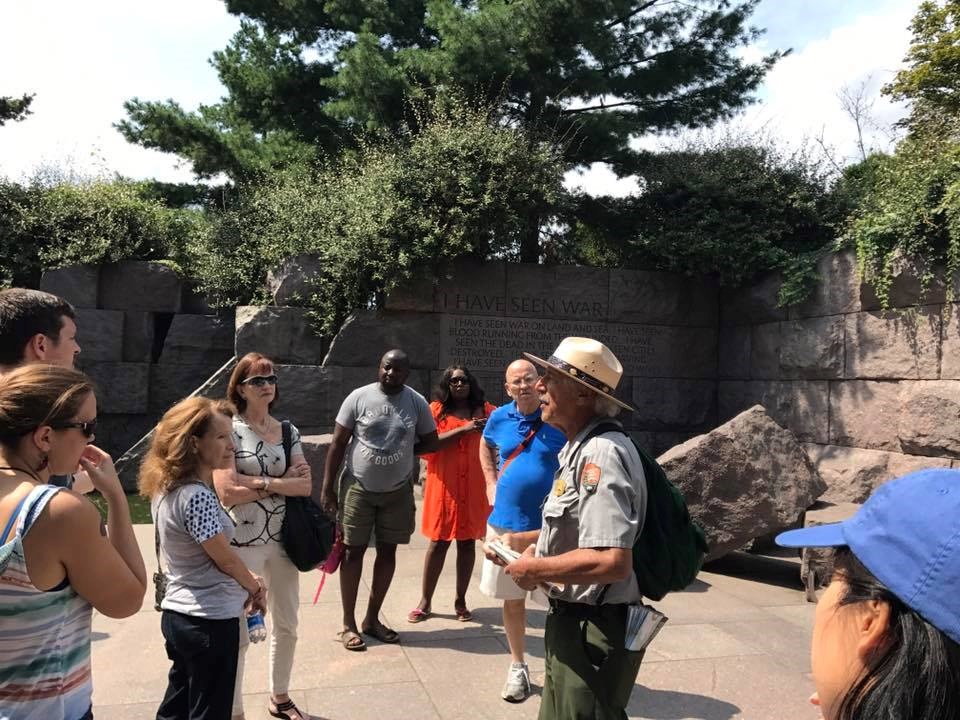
307 533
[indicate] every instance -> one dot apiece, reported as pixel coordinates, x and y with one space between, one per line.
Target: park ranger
591 519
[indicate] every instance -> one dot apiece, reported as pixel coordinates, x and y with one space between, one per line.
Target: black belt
581 611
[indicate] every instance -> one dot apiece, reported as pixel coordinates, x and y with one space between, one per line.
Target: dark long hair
915 675
442 394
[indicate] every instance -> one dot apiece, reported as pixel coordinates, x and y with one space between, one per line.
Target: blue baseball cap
908 535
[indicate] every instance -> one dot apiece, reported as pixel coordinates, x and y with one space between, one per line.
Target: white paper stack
643 624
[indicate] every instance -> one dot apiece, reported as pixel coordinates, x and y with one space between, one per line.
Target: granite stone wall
146 340
872 393
484 315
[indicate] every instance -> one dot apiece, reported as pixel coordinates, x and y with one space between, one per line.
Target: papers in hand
508 555
643 624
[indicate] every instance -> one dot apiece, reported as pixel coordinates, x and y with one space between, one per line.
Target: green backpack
668 553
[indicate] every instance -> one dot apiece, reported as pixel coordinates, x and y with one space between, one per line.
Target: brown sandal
352 641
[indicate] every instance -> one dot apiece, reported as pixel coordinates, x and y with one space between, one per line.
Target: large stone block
367 334
139 335
851 474
100 335
838 289
765 352
812 349
416 294
754 304
655 298
893 345
907 289
735 349
118 433
863 413
77 284
799 406
172 382
292 282
122 388
659 351
140 285
310 396
557 291
472 287
950 343
929 418
664 404
198 339
285 334
747 478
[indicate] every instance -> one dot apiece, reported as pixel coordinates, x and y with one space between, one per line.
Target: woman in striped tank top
57 558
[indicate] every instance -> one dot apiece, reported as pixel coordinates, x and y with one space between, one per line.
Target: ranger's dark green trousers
589 675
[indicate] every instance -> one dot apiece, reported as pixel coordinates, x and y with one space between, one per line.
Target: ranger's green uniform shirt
598 500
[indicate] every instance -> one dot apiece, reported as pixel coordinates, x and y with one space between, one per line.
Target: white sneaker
517 687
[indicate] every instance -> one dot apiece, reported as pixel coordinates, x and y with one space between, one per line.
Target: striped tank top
44 635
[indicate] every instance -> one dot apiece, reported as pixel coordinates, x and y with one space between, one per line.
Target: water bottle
256 628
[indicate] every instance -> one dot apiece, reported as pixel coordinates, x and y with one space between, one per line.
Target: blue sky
83 59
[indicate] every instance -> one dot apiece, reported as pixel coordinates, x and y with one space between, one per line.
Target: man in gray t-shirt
380 429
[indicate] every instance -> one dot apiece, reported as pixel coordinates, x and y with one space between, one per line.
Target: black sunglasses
88 428
459 381
260 380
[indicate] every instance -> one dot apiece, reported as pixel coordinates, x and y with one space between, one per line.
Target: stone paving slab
736 646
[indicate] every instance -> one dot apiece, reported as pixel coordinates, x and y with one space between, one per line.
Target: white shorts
495 583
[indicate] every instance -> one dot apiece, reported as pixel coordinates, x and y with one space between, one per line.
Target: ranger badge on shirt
590 477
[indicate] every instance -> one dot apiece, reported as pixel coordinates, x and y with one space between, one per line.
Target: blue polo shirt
528 479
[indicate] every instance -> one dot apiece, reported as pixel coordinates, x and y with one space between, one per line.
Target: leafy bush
730 210
105 222
910 213
458 185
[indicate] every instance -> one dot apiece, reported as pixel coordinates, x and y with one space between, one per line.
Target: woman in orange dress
455 503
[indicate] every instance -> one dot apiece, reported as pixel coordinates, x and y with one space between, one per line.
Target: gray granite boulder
292 281
929 422
77 284
747 478
284 334
198 339
140 285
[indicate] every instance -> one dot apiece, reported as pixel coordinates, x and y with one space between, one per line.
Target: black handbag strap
287 433
156 534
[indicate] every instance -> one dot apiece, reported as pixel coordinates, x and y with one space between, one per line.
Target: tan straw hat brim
598 391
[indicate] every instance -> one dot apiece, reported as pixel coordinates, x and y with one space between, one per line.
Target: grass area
139 507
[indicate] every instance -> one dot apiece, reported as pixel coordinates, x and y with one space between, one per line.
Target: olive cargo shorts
589 674
391 515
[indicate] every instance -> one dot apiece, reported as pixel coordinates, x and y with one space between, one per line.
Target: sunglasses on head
88 428
260 380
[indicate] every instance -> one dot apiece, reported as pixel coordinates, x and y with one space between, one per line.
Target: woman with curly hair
455 503
886 635
58 559
208 585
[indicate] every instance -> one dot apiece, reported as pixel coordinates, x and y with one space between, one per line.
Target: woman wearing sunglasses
886 635
455 506
253 490
58 559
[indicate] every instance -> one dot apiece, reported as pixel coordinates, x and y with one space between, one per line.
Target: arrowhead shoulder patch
590 477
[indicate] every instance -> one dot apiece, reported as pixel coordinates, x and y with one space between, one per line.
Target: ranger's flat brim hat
589 362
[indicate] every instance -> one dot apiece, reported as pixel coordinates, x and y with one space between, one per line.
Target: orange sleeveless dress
455 494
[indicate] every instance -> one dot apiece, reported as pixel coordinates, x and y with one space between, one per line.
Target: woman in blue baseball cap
886 638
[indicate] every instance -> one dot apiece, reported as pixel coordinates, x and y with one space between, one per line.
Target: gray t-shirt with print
385 429
187 516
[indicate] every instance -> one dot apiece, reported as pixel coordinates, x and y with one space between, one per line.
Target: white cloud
83 60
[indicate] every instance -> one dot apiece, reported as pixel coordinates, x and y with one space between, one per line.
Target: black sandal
282 708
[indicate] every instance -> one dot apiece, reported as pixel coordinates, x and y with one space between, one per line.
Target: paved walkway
736 646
